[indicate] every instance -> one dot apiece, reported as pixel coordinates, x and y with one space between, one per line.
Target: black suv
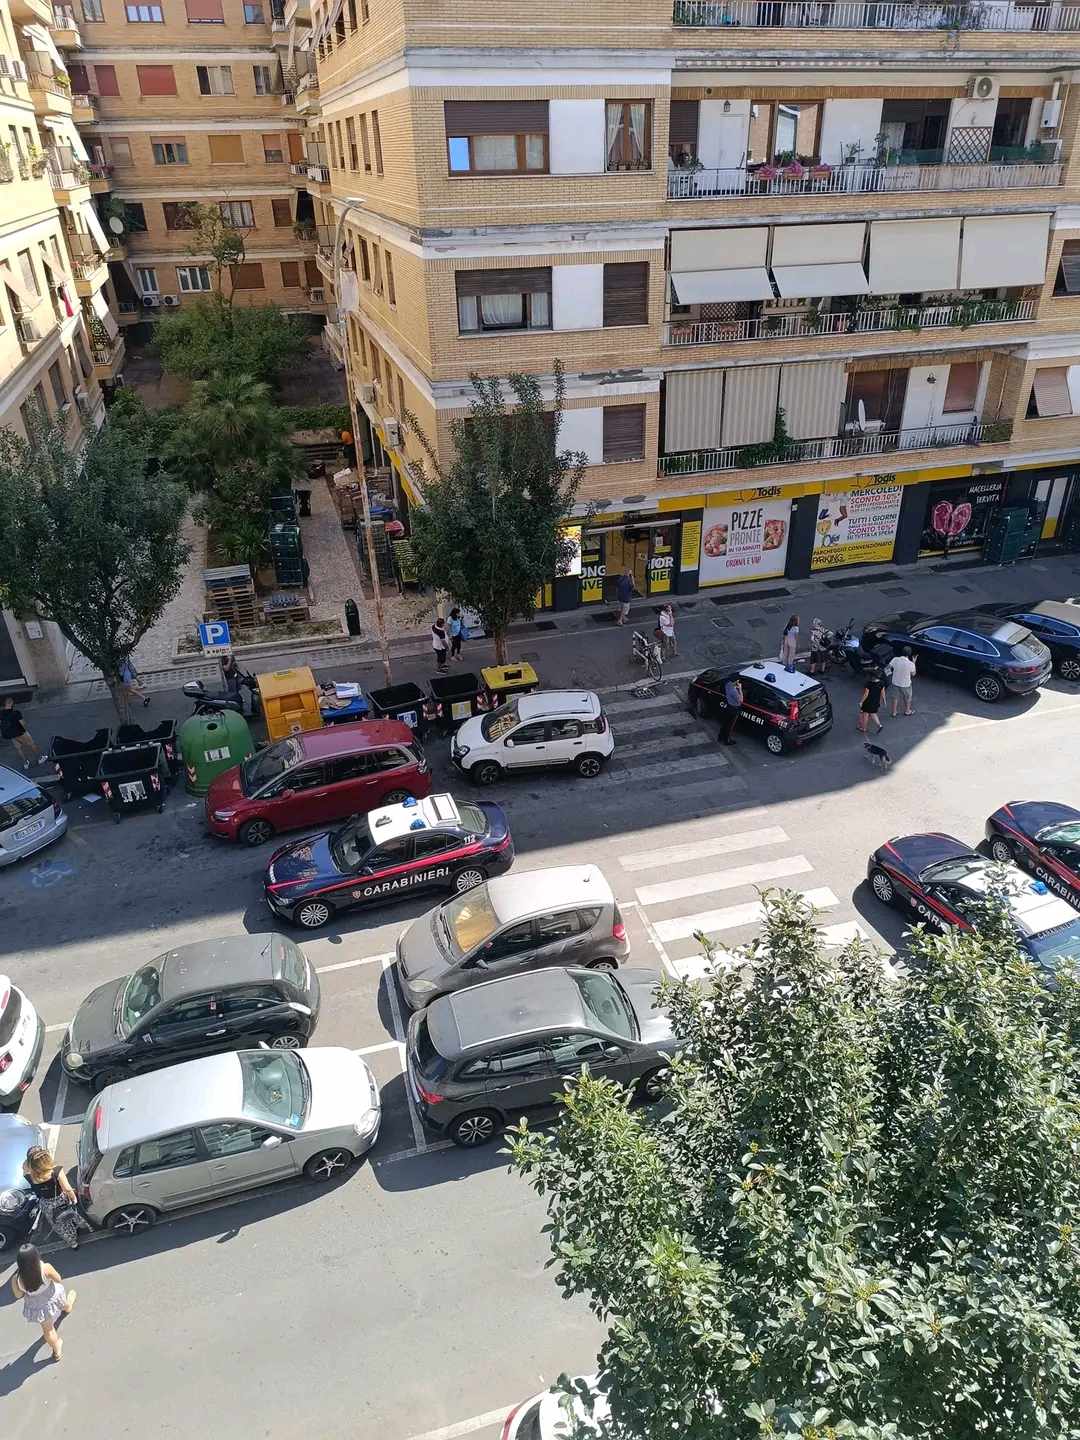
785 707
1056 623
993 656
230 994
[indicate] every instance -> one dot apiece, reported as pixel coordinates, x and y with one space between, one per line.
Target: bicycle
647 652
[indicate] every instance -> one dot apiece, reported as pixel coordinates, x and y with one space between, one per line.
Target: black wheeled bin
454 698
163 734
400 702
134 777
77 762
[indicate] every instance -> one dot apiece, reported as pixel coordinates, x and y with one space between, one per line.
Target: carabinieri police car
943 882
1043 837
436 843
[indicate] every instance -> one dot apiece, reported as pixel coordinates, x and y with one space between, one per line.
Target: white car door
566 742
527 746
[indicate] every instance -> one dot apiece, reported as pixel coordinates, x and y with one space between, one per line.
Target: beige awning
796 281
699 287
26 299
1051 386
94 225
100 307
693 401
1004 250
913 255
811 397
731 249
818 244
750 401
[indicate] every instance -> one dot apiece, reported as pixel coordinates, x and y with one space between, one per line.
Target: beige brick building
812 267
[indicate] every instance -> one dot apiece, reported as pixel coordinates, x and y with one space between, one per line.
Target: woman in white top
42 1292
667 630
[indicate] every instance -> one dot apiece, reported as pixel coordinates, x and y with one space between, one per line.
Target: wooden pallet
230 595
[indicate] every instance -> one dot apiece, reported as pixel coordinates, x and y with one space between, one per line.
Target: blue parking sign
214 637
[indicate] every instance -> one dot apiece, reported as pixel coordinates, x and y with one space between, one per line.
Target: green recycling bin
210 744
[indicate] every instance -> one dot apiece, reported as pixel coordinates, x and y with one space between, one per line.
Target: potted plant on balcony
819 174
6 172
38 162
766 174
304 230
794 170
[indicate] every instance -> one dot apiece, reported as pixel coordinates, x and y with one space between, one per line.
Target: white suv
547 728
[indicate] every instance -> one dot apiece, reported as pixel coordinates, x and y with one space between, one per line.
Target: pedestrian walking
129 680
624 591
458 633
870 702
789 642
901 673
39 1286
819 655
666 629
439 642
733 699
59 1205
13 729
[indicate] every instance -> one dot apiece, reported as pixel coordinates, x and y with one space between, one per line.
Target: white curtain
637 133
495 152
540 311
534 152
468 319
502 311
614 135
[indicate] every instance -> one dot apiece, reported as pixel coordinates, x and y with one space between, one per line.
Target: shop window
1068 275
962 388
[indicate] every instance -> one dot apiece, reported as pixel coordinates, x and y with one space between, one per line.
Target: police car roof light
418 824
409 801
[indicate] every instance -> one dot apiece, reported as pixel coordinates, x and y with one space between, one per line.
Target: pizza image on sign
715 542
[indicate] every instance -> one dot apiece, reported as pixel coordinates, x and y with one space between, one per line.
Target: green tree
91 542
231 418
237 510
204 337
489 531
212 235
854 1215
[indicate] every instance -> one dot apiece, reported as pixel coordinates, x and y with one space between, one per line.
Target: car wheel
883 887
255 832
1002 851
468 879
478 1127
9 1240
328 1163
131 1219
604 964
486 773
285 1042
397 797
312 914
989 688
106 1077
698 706
774 743
1069 668
653 1085
588 766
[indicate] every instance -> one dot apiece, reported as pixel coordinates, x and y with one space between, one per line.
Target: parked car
785 707
563 916
22 1036
548 729
479 1059
29 818
552 1416
18 1204
994 657
221 1125
1057 624
311 779
194 1000
1041 837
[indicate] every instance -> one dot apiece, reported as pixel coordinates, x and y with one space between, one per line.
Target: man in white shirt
901 673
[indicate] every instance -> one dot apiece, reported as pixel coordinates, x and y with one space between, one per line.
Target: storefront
958 514
745 536
856 522
660 549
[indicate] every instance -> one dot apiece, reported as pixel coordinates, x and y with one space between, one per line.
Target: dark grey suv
479 1059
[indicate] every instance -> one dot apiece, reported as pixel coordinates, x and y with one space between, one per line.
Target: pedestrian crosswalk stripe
669 767
664 742
711 922
650 702
842 934
650 722
682 889
706 849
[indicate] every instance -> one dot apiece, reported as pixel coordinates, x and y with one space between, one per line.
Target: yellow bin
290 702
503 681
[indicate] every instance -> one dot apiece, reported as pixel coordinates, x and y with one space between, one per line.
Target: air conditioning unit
18 70
1051 115
983 87
151 301
318 295
170 301
392 431
367 393
27 329
3 64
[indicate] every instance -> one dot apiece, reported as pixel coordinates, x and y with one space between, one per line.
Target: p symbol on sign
214 637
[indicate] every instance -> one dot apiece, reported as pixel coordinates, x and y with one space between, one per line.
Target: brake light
4 999
98 1118
57 809
429 1097
618 931
84 1193
508 1423
601 724
793 711
5 1061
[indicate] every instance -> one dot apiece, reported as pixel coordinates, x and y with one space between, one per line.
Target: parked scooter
845 647
207 704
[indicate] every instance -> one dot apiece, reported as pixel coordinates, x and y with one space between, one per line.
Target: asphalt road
411 1299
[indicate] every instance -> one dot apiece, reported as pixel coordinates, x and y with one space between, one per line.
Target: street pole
369 533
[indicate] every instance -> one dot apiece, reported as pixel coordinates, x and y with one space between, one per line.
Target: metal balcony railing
319 173
100 171
64 18
864 178
43 74
997 15
869 321
105 352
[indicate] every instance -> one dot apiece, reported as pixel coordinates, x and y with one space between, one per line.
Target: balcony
108 356
306 94
50 88
297 12
31 12
68 175
90 267
65 28
83 108
858 446
989 15
100 178
1012 168
318 173
860 319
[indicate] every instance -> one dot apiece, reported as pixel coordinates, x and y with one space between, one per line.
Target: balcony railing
319 173
858 322
64 18
878 15
42 74
835 447
105 353
83 104
99 170
864 178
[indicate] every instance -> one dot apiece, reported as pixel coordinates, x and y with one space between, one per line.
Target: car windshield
466 921
1066 834
276 1087
350 844
500 722
293 966
1027 648
268 764
606 1004
1057 949
953 872
472 819
140 995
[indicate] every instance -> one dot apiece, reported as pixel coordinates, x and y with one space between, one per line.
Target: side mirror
271 1142
612 1052
263 1045
481 963
509 744
286 794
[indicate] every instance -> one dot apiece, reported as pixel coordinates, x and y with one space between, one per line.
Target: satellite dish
116 225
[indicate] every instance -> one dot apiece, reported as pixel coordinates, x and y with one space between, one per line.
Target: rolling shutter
226 149
204 11
750 400
683 128
1004 250
624 432
531 281
153 79
913 255
496 117
811 397
693 403
1051 387
626 293
248 276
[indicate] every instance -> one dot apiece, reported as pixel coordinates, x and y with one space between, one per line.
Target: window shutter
504 282
684 122
312 272
156 79
282 213
962 387
290 274
204 10
105 77
273 145
248 276
226 149
626 293
496 117
296 148
624 432
1051 387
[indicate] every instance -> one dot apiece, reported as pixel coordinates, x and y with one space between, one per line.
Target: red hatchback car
311 779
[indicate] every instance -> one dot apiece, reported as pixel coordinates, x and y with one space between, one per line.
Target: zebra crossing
656 736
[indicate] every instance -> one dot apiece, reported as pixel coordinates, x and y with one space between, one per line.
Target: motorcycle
214 704
845 647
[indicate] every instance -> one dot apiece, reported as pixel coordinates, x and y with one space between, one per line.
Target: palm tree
231 416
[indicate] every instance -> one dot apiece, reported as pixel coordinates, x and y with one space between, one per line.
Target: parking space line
467 1427
650 931
399 1034
426 1149
351 964
374 1049
49 1029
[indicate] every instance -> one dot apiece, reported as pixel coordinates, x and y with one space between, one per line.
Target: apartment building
812 267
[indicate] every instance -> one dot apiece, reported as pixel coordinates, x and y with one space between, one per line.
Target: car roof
530 892
351 738
436 812
157 1101
539 704
1067 610
13 785
976 621
1033 907
232 960
536 1000
773 674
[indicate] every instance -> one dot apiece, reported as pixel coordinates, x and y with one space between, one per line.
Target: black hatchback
785 707
1056 623
994 657
229 994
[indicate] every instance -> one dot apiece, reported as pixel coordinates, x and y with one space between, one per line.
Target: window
56 380
401 397
177 215
166 1151
1068 275
432 844
624 433
249 276
232 1137
626 293
376 270
311 272
1050 394
376 140
29 274
296 148
365 263
566 729
563 926
214 79
193 278
226 149
135 217
169 152
253 13
195 1010
80 79
572 1051
524 1058
147 279
503 300
120 150
237 213
962 388
105 79
282 211
290 274
392 852
274 149
364 145
92 11
264 79
391 294
491 137
629 134
143 14
156 79
350 135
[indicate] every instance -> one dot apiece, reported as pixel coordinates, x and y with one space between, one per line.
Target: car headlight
363 1128
12 1201
461 750
74 1059
224 814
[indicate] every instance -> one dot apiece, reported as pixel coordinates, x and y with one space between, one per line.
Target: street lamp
369 533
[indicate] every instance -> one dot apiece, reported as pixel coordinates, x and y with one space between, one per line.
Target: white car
547 1416
544 730
22 1034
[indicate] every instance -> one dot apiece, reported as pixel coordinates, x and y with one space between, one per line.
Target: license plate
815 723
28 830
